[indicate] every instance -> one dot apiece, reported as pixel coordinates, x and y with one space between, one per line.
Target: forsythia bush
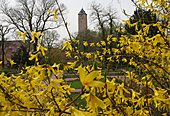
144 90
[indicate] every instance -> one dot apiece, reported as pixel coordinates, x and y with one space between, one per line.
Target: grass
80 103
76 84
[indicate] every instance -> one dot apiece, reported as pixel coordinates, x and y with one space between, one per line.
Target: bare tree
97 15
31 15
111 18
50 38
103 17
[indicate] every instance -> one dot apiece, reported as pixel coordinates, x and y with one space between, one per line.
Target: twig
55 100
66 107
65 23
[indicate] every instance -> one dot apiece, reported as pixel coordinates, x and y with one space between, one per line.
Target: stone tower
82 22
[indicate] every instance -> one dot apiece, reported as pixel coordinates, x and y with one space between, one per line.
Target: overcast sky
74 6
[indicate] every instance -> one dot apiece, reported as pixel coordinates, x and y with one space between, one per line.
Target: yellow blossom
85 43
54 12
88 55
87 79
34 56
94 102
91 44
103 43
124 60
67 46
22 35
12 62
42 49
36 35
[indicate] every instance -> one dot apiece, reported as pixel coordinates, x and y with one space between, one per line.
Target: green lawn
76 84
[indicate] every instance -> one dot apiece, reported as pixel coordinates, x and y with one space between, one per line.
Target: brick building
10 48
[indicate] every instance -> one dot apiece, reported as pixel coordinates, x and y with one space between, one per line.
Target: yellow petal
85 43
55 17
96 84
67 46
90 77
12 62
49 11
97 102
103 43
55 14
88 55
82 72
34 56
43 49
76 112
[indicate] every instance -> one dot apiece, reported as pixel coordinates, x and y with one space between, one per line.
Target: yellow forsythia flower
12 62
98 44
22 35
67 46
124 60
76 112
54 12
34 56
87 79
36 35
103 43
91 44
95 102
109 37
88 55
85 43
114 39
42 49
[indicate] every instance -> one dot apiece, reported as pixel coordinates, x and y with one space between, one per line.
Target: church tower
82 21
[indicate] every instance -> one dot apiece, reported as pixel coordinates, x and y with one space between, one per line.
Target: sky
74 7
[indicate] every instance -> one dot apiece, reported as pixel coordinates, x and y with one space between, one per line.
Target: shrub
41 89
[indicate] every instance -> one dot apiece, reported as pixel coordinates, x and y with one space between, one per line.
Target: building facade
10 47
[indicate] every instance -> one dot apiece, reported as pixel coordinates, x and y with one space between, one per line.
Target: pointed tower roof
82 12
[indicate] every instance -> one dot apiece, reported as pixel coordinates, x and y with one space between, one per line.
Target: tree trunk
3 52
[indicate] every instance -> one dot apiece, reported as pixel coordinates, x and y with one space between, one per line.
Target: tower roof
82 12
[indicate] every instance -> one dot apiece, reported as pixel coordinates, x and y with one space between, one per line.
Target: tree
32 16
54 53
21 58
4 30
97 14
111 19
50 39
140 17
104 18
106 21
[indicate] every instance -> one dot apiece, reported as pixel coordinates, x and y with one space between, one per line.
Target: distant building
82 22
10 48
